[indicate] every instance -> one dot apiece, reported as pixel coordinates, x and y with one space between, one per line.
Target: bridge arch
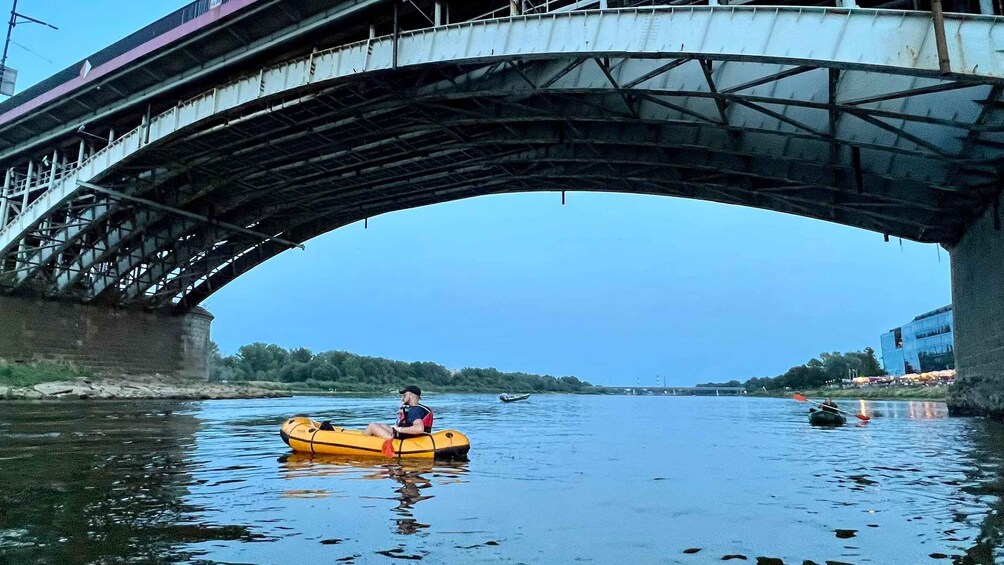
797 113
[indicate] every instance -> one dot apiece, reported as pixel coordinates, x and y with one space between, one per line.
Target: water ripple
553 479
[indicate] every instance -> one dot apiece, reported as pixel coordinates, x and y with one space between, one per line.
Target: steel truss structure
833 114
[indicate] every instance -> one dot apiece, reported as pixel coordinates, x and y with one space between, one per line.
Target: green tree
829 367
300 355
346 371
262 361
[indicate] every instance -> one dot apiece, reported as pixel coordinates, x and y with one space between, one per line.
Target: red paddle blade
862 417
800 398
388 448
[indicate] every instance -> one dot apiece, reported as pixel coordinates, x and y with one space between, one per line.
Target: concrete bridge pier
978 300
109 340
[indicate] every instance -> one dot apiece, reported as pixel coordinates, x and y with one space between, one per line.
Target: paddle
801 398
388 448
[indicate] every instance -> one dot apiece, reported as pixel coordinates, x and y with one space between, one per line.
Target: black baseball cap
412 389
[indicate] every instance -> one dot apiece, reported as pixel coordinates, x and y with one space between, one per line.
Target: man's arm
417 427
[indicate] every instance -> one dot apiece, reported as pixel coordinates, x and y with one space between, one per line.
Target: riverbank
59 382
937 393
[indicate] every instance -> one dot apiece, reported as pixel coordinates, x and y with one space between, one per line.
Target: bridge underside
174 210
797 110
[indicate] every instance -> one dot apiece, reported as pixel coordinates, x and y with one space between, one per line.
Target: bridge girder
833 128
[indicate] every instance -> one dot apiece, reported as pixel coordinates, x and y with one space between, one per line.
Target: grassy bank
31 374
895 393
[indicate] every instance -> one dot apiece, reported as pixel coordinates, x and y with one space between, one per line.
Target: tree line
816 372
343 371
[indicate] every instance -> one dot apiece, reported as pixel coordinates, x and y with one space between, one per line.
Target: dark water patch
769 561
862 480
901 469
829 562
236 468
692 550
995 488
331 541
227 482
201 532
398 553
349 558
477 545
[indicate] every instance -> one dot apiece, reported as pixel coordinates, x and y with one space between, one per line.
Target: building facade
923 345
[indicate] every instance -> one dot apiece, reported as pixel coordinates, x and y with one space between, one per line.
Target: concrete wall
978 299
112 341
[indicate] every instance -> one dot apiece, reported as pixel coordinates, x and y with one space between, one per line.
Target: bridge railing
540 7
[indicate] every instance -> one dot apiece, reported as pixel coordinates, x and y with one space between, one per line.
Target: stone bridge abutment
978 301
113 341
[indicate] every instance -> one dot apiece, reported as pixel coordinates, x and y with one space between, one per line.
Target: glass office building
923 345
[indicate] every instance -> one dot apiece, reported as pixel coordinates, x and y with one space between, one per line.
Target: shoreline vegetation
814 377
301 370
261 370
816 373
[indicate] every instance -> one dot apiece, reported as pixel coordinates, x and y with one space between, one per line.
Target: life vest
426 420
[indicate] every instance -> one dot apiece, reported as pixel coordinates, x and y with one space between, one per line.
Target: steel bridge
157 192
155 172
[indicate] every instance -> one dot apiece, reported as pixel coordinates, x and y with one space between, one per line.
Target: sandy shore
124 388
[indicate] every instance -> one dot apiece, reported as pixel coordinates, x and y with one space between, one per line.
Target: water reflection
412 478
200 483
911 409
987 486
97 482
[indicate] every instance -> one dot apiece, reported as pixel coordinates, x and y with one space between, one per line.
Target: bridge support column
978 302
111 341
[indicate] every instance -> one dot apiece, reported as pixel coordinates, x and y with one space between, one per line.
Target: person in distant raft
414 418
829 405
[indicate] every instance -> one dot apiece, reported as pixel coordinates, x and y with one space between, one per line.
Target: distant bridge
154 173
676 390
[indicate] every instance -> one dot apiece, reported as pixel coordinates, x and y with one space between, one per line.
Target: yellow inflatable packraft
304 435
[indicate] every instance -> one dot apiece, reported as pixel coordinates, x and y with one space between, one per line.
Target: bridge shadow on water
99 483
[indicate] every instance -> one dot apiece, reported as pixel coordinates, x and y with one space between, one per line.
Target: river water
556 479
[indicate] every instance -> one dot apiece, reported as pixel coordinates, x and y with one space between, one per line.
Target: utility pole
15 18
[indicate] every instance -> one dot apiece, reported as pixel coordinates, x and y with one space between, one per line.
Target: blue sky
615 289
